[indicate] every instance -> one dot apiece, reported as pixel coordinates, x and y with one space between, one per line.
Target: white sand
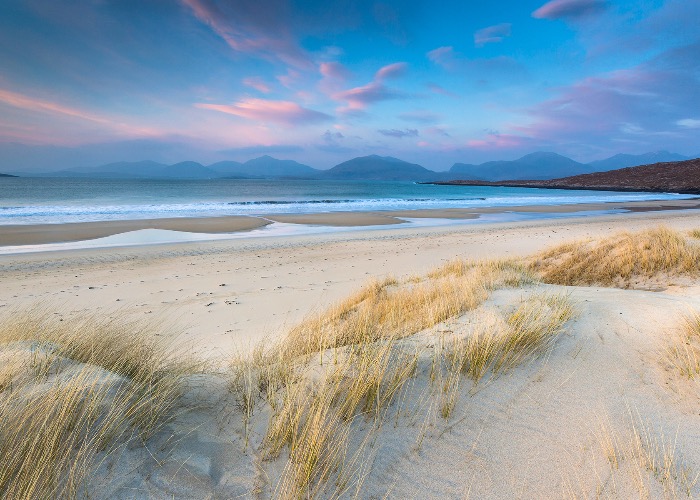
534 433
229 294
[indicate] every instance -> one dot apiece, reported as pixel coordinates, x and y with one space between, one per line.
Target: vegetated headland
668 177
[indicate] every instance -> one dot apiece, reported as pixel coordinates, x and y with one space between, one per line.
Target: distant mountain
141 170
265 167
624 160
540 165
189 170
665 177
7 175
379 168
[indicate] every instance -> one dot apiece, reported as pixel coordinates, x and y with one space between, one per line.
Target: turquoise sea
46 200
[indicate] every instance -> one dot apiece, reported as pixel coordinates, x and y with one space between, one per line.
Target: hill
7 175
674 177
265 167
624 160
379 168
540 165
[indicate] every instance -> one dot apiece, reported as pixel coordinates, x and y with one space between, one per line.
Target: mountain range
666 177
534 166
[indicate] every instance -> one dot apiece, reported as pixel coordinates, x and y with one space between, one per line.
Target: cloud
501 70
284 112
438 89
646 106
329 136
442 56
22 101
569 9
688 123
334 70
420 116
399 134
257 83
250 26
492 34
332 142
262 149
358 98
390 71
334 75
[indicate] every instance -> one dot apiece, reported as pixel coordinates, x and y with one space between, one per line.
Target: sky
322 81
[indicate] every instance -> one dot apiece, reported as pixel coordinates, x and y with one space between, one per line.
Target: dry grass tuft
74 392
499 345
695 233
314 415
620 259
684 352
392 309
647 457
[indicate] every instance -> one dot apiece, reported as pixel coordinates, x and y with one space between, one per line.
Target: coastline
229 294
40 234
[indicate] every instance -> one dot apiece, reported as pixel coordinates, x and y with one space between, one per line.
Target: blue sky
321 81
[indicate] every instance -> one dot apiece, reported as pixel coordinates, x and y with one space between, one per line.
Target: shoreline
221 292
238 225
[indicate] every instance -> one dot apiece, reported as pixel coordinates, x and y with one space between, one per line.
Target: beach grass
75 391
683 352
648 457
619 260
390 308
695 233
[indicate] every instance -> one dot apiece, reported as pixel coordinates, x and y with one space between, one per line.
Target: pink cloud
22 101
492 34
284 112
32 104
390 71
569 9
334 75
442 56
358 98
334 70
257 83
253 28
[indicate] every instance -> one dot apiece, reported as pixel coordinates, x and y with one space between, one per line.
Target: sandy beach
602 410
37 234
229 294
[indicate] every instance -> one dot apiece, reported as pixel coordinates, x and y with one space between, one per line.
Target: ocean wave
39 214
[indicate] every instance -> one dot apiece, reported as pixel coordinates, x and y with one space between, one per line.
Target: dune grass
683 352
76 390
393 309
497 345
619 260
647 456
695 233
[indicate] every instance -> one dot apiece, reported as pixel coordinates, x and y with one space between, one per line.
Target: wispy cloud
492 34
257 83
390 71
283 112
358 98
250 26
688 123
399 134
569 9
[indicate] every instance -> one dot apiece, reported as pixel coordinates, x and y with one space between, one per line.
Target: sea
51 200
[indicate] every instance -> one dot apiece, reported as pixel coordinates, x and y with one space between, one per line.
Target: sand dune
514 387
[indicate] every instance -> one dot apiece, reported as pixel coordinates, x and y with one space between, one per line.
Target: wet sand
57 233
